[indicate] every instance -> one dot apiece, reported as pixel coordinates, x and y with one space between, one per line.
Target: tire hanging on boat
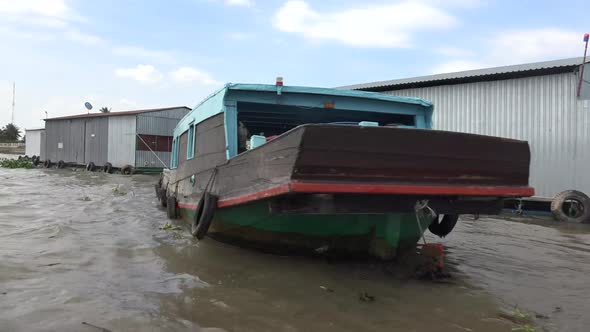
442 227
163 200
35 161
90 167
171 207
61 164
205 209
47 163
204 215
571 206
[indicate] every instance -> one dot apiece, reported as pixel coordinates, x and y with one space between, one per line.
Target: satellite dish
88 105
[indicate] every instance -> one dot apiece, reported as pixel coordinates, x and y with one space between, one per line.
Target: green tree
105 110
10 133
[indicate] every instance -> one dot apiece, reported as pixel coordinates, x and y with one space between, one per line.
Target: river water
87 247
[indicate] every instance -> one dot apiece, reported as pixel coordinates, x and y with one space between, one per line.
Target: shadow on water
79 246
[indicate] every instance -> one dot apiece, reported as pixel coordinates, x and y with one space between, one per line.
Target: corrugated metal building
140 138
35 142
536 102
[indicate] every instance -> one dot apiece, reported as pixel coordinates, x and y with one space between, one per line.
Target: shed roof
132 112
478 75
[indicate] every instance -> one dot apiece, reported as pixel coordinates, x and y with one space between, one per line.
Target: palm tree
105 110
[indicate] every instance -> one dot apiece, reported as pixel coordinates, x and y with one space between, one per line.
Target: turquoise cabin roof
216 103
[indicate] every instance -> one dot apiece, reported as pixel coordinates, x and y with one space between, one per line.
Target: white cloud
241 35
380 25
140 73
44 20
192 75
529 45
245 3
140 52
82 38
49 8
519 46
454 51
457 65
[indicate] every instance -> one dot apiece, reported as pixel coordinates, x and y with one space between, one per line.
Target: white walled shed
35 142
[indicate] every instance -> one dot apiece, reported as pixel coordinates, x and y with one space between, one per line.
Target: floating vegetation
16 163
524 328
170 227
119 191
517 313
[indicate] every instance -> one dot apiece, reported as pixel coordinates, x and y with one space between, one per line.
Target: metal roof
132 112
495 73
329 92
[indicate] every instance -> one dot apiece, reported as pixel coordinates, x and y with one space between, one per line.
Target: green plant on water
517 313
16 163
118 191
170 227
524 328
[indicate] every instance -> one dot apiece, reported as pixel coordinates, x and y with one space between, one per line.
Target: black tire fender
442 227
204 215
36 161
107 168
47 163
171 207
157 187
558 206
127 170
61 164
90 167
163 200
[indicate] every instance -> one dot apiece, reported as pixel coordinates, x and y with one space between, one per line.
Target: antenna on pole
13 93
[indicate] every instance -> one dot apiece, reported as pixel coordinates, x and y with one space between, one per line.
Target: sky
134 54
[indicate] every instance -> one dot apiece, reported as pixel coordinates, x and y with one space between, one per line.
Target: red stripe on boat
303 187
187 206
341 188
275 191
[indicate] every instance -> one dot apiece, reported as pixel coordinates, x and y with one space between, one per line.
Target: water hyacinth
16 163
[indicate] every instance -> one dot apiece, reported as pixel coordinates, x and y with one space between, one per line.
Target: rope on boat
419 207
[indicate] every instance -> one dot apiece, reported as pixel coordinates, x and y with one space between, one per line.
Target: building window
190 146
154 143
174 158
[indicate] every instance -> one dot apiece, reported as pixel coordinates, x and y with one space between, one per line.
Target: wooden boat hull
351 188
254 225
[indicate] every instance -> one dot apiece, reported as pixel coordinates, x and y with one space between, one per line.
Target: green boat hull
379 235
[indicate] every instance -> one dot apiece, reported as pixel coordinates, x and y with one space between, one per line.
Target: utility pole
13 92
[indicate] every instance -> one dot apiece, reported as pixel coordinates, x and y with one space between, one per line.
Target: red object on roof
133 112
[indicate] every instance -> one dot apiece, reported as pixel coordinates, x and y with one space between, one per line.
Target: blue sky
130 54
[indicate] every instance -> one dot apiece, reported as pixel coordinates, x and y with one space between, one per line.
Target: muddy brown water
73 249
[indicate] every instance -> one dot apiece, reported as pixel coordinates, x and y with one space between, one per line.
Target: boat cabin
240 117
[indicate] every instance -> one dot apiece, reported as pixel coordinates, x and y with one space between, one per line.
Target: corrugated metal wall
96 141
64 140
157 123
542 110
121 140
33 143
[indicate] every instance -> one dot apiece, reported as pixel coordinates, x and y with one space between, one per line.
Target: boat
314 170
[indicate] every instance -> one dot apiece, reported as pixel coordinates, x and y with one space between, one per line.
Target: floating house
544 103
141 138
35 142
